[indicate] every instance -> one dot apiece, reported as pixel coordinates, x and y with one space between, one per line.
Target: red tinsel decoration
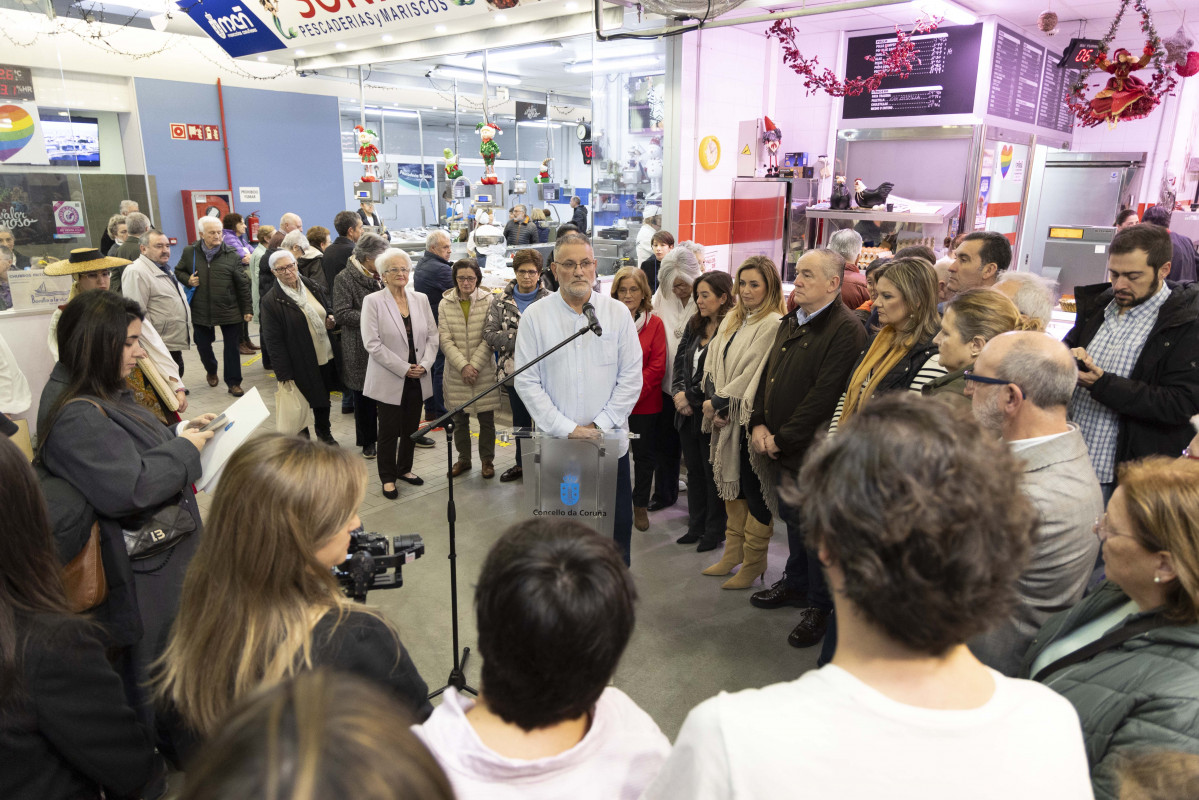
897 62
1161 84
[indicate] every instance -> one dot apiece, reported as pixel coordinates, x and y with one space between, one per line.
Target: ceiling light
515 53
152 6
614 64
476 75
64 113
299 52
951 12
501 17
572 6
439 28
391 113
340 45
262 58
537 123
386 37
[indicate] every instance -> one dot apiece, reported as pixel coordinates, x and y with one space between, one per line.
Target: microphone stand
457 677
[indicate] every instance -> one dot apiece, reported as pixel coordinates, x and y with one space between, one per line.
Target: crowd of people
991 534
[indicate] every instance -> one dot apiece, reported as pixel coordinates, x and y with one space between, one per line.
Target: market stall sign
247 28
195 133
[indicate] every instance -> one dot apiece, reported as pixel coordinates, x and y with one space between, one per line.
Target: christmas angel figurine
368 151
544 175
489 150
451 165
1125 96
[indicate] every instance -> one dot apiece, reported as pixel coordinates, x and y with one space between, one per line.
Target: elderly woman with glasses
400 336
1127 656
351 286
460 321
296 324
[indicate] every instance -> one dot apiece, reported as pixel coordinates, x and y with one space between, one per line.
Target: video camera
368 561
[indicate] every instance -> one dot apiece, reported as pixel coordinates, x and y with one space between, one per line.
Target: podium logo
568 490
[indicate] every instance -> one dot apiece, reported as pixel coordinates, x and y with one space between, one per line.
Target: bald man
1020 387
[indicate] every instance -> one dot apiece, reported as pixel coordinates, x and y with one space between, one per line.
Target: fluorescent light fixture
151 6
340 45
64 113
613 65
475 75
439 28
951 12
572 6
386 112
262 58
501 18
386 37
537 123
516 53
299 52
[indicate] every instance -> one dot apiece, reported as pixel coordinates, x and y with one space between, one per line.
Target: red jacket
653 365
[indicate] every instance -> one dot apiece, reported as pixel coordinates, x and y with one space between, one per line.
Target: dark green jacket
223 296
1139 692
950 387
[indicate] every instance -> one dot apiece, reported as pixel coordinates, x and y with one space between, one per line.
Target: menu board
1016 76
941 81
1055 84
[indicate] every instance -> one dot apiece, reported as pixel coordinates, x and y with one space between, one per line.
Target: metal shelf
859 215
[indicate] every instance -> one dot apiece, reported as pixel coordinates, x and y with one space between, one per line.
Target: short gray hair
1034 298
569 239
278 256
368 246
294 239
127 206
832 263
147 237
434 238
389 255
846 243
288 217
137 223
1046 379
204 220
114 222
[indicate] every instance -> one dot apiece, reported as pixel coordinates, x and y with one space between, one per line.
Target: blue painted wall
286 144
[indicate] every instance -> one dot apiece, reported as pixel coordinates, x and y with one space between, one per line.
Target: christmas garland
898 61
1160 85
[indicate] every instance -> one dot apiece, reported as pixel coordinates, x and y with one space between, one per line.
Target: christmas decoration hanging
1125 96
452 170
544 175
1177 45
1190 66
489 150
898 61
368 151
1047 23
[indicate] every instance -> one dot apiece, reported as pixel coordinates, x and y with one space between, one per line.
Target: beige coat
462 342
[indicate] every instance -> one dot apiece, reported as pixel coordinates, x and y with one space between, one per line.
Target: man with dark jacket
1182 262
433 276
1137 342
136 225
222 299
809 364
578 217
519 231
349 227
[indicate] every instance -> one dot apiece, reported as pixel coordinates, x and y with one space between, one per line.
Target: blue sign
568 490
234 26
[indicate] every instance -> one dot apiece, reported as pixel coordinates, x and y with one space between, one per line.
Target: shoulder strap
1106 642
42 437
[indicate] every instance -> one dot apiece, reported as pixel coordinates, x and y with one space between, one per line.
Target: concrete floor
692 639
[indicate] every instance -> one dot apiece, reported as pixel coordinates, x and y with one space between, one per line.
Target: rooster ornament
871 198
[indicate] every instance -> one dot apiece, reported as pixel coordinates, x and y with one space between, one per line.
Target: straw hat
84 259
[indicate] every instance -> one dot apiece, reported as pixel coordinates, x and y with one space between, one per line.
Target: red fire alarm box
204 203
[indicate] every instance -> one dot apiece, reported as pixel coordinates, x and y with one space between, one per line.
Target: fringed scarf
885 352
735 375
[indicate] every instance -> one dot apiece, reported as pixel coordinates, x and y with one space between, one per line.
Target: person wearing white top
555 610
918 517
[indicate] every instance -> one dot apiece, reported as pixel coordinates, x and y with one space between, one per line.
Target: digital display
71 141
16 83
1065 233
588 152
1080 53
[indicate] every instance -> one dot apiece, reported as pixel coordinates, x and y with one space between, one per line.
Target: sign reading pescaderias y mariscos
247 27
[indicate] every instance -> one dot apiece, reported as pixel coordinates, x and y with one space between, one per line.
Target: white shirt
619 755
829 735
592 379
15 396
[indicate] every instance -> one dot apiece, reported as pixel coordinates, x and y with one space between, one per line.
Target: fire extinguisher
252 228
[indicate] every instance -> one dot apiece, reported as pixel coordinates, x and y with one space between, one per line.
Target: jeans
804 573
520 417
231 334
486 436
396 426
705 510
669 452
435 405
644 456
622 517
366 420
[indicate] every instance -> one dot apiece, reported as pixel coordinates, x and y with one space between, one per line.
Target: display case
770 219
929 226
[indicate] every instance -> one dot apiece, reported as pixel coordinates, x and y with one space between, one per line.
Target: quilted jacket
1138 693
462 343
503 318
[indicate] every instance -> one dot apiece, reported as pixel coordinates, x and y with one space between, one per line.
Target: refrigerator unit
769 219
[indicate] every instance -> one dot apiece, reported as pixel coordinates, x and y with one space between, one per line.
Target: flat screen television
72 141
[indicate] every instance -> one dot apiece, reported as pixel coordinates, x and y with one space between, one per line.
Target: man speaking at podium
587 389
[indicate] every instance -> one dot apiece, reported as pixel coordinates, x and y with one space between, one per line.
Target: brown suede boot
757 540
734 538
640 518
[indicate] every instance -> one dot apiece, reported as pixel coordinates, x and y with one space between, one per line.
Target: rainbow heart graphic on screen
16 129
1005 160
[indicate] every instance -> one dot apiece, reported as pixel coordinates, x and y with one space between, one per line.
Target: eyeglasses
288 268
571 266
970 376
1104 530
528 273
466 279
1188 454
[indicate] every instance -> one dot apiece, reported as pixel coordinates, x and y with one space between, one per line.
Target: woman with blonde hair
1127 656
902 354
630 287
971 319
732 371
276 589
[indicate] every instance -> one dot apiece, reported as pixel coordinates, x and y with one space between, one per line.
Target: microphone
592 322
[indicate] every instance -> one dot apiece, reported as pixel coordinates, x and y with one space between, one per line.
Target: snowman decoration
489 150
368 151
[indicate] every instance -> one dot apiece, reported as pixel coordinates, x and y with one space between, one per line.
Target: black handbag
165 528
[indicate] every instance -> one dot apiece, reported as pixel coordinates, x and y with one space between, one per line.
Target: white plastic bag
291 409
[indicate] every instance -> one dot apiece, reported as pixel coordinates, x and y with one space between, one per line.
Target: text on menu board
1026 84
941 81
16 83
